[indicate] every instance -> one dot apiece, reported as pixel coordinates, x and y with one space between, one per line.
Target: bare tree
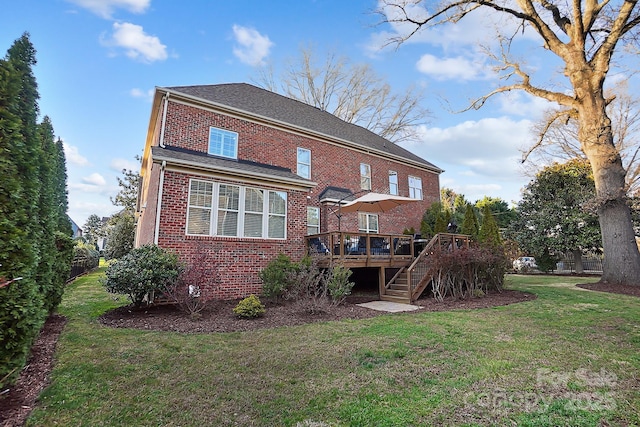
584 35
353 92
558 136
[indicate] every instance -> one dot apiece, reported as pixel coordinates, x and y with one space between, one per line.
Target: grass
569 358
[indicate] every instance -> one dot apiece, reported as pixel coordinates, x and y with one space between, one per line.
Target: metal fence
590 264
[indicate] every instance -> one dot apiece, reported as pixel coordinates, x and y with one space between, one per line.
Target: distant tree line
35 232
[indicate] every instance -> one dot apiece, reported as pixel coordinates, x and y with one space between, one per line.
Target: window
232 210
313 220
367 223
304 163
365 176
223 143
393 183
415 187
199 210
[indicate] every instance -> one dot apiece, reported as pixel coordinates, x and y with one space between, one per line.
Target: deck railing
346 246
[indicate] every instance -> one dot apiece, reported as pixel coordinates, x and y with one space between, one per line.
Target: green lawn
569 358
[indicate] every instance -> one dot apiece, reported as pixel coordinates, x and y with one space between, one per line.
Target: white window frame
231 151
302 164
393 183
269 216
365 176
313 228
415 187
366 218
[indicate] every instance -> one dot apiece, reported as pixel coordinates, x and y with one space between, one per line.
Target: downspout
164 119
156 233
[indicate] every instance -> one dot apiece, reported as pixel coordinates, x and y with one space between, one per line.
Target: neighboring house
243 174
77 231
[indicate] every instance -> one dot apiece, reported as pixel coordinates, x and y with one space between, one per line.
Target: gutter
156 233
164 118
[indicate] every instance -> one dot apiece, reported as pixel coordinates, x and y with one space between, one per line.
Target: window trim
393 174
367 228
412 189
214 211
317 210
213 129
298 162
364 178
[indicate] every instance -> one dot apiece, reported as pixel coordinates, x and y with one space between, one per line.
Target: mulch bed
17 402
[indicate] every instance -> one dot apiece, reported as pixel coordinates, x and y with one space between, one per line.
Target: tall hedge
35 233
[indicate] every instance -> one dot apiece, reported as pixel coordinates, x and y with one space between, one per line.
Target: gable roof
250 99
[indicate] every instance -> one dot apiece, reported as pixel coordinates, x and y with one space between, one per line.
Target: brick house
243 174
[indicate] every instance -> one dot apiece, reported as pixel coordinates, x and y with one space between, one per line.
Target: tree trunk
577 261
621 256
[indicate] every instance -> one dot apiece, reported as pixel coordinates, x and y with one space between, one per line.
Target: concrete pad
391 307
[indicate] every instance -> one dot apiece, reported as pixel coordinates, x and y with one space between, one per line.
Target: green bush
338 283
275 276
249 308
142 271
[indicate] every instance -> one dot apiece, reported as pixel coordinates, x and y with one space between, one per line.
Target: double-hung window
217 209
393 183
367 223
304 163
223 143
415 187
313 220
365 176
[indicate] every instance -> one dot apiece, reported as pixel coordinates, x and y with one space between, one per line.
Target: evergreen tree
120 235
21 304
93 229
489 233
470 223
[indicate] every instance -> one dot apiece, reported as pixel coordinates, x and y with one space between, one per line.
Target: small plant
249 308
275 276
338 284
142 271
200 274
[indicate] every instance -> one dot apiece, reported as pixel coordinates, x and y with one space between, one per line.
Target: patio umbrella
376 202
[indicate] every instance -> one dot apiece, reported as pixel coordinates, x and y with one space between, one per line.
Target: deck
355 250
406 256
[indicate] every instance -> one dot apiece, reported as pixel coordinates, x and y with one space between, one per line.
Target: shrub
307 287
142 271
249 308
338 284
275 276
186 292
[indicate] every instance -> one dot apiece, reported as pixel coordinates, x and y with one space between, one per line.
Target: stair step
391 298
397 292
399 287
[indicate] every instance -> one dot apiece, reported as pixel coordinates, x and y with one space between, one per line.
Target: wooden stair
398 289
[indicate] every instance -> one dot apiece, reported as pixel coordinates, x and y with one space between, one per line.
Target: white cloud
73 156
106 8
137 44
479 157
139 93
519 103
458 68
94 179
119 164
253 47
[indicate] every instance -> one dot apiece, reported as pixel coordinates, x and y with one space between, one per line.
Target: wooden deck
407 257
355 250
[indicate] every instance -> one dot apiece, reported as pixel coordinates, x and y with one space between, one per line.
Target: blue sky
99 60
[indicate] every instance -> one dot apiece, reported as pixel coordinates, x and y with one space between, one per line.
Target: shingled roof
254 100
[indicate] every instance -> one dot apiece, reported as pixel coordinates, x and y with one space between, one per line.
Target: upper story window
393 183
313 220
415 187
236 211
365 176
304 163
223 143
367 223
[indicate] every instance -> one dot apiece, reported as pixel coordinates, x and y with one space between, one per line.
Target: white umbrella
376 202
